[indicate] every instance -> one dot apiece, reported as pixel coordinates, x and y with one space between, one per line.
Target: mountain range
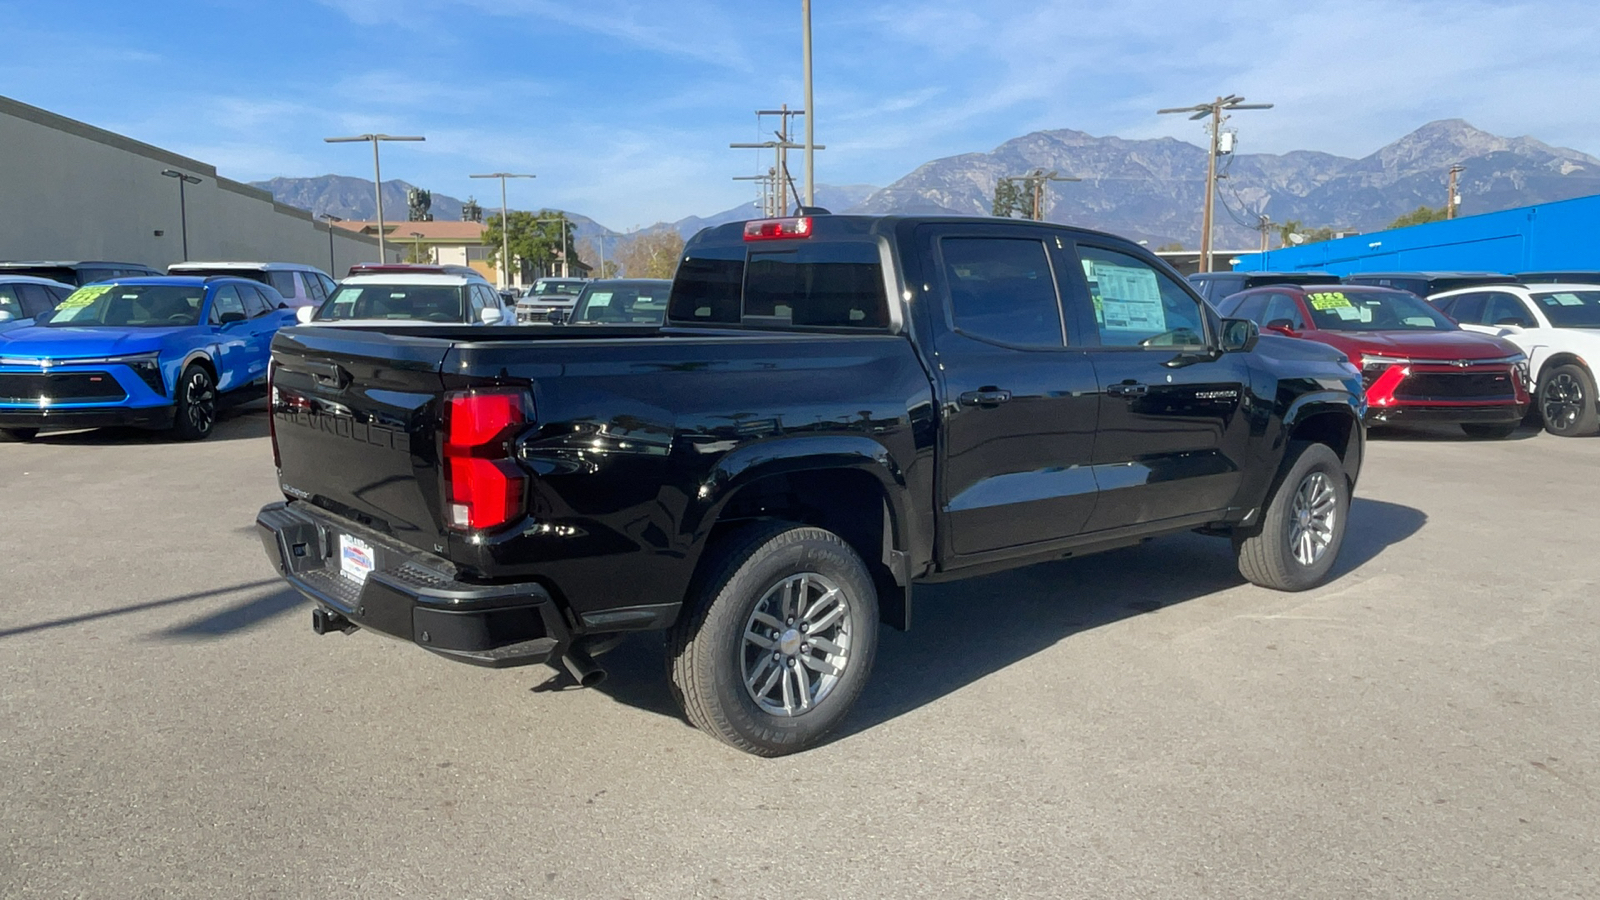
1143 189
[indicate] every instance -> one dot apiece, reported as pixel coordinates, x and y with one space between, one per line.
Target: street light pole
1214 110
811 106
333 267
416 247
565 270
505 234
183 205
377 172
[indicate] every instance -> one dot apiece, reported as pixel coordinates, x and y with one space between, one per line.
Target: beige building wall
72 191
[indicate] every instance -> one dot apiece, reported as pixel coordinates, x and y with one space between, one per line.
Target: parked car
1416 365
23 297
1569 276
78 274
299 285
549 300
1426 284
155 352
1214 286
622 301
842 408
1558 326
416 269
410 298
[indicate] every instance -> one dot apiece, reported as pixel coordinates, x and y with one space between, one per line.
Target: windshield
425 303
1570 309
1374 310
623 304
129 306
546 288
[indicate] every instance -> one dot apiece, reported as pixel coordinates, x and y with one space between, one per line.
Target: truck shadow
234 423
1024 611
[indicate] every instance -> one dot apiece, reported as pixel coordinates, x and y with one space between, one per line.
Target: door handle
1127 389
988 397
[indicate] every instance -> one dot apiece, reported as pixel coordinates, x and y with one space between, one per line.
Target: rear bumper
406 597
157 417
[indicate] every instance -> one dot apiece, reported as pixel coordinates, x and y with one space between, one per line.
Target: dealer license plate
355 558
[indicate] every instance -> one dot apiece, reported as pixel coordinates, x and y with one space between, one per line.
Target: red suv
1418 365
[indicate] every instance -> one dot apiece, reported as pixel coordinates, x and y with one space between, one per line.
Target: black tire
1566 401
20 435
1490 431
1271 558
196 413
709 654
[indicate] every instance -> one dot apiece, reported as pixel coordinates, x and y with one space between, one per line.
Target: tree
1420 216
605 265
1173 247
651 254
417 252
1011 201
534 238
1287 228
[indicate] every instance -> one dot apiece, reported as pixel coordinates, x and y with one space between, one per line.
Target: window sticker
1352 313
84 296
1127 298
1563 299
599 298
1329 300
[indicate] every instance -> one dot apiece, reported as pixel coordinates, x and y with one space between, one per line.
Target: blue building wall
1564 235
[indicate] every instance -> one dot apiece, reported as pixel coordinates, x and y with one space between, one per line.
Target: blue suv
156 352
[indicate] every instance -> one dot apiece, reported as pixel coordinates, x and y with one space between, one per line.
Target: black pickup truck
838 409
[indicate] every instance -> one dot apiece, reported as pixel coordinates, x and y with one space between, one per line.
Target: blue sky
625 109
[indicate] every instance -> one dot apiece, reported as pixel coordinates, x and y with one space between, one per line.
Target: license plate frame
356 558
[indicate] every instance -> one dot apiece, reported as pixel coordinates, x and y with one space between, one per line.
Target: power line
1215 112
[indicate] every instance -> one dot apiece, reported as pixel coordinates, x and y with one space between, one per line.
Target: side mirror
557 316
305 314
490 316
228 318
1239 335
7 315
1513 326
1281 326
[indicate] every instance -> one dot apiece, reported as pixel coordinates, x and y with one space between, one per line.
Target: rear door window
1505 309
283 282
11 304
227 304
1468 309
254 303
1003 290
36 301
1247 306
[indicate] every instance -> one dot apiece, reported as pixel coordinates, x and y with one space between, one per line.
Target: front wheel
1490 431
1302 527
196 414
1566 399
776 641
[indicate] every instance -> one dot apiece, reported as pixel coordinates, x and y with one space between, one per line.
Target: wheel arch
850 486
1562 358
1331 421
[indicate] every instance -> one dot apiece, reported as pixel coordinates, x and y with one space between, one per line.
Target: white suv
300 285
410 299
1558 326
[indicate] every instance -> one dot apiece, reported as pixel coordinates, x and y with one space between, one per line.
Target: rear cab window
805 283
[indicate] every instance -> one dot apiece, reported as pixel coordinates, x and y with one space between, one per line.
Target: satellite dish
1296 237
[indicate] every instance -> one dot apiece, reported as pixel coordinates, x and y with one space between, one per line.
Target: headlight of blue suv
145 365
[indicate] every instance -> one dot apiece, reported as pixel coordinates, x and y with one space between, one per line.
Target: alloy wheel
1312 518
202 405
796 645
1562 401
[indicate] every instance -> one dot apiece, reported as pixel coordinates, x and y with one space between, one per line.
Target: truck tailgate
354 416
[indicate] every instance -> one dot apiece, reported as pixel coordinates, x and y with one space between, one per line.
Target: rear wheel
777 640
196 414
1489 431
1566 400
20 435
1303 525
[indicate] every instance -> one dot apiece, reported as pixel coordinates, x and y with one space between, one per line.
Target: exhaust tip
582 668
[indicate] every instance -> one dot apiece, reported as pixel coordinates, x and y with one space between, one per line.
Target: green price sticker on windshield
84 296
1329 300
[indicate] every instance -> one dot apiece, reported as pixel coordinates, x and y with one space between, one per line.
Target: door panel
1171 430
1019 406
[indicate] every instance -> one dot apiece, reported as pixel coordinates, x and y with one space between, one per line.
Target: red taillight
777 229
484 487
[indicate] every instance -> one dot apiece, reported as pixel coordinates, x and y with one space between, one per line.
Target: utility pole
377 172
805 75
565 269
1263 226
1454 200
783 181
505 234
1215 111
333 267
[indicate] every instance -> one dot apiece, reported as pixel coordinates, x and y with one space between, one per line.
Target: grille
73 387
1495 385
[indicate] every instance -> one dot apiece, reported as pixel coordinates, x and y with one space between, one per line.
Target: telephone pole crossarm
1216 111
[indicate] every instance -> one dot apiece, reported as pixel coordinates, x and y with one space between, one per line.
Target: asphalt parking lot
1138 724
